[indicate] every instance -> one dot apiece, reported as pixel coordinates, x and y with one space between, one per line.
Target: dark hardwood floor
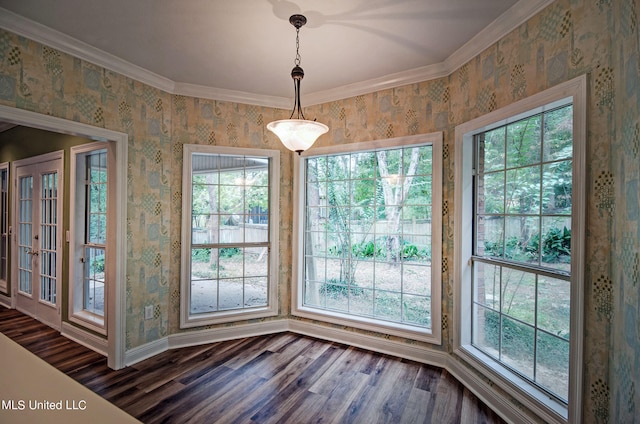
281 378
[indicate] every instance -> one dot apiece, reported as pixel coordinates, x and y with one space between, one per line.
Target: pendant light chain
297 60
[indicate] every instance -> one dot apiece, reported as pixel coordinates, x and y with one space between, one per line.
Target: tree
395 188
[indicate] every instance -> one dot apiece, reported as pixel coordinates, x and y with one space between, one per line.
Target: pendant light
297 134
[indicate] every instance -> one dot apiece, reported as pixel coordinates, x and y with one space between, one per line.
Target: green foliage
98 264
365 250
200 255
556 247
518 341
229 252
336 288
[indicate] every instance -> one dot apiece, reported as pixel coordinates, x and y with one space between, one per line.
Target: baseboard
91 341
140 353
375 344
200 337
5 301
194 338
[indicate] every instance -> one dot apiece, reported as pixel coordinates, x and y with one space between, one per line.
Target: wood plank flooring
280 378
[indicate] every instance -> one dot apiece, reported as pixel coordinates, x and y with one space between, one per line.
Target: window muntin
522 247
229 234
370 232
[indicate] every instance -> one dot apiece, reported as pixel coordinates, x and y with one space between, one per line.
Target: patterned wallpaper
567 39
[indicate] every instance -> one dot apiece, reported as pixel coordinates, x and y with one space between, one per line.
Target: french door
37 261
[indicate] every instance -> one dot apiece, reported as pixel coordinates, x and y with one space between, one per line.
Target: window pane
558 134
231 293
521 239
94 280
416 309
487 282
556 188
519 294
554 305
486 330
387 305
491 191
523 190
492 151
490 236
255 291
523 142
556 242
552 364
517 346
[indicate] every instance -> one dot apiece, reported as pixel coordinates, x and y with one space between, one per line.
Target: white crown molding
518 14
398 79
59 41
503 25
222 94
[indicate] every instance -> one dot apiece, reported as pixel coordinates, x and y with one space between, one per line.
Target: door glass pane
25 199
4 222
48 237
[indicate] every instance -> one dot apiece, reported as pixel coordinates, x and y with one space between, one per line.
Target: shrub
336 288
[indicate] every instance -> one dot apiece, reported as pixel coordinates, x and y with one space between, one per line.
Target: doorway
37 263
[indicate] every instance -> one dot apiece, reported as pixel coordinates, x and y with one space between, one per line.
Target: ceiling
243 50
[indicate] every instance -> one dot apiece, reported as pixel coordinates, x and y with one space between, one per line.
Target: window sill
541 403
370 324
89 321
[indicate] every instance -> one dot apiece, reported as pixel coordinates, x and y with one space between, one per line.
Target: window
4 226
520 234
89 235
370 237
229 233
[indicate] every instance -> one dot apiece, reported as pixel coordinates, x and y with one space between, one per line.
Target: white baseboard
91 341
487 394
375 344
145 351
200 337
193 338
5 301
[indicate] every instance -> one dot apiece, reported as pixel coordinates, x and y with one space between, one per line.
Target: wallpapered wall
567 39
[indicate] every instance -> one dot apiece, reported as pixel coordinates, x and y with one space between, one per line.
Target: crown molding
518 14
222 94
377 84
59 41
503 25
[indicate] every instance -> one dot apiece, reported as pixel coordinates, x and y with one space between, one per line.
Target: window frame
4 225
187 320
550 409
76 311
432 335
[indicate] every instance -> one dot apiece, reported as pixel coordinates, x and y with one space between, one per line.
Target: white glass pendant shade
297 134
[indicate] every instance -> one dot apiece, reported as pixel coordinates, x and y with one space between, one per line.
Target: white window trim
573 91
434 335
4 285
77 314
218 317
